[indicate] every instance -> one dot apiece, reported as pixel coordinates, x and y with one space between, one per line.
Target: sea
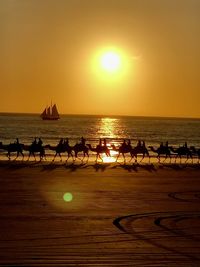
152 130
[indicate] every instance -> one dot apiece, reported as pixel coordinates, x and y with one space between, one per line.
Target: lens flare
67 197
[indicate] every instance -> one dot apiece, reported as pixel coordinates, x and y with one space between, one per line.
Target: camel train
103 149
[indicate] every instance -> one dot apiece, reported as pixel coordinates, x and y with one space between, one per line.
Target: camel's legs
142 158
19 152
124 158
85 154
87 157
76 157
187 158
42 156
30 153
117 156
101 157
22 155
132 157
165 158
8 155
68 156
72 155
16 156
96 157
54 157
60 156
135 157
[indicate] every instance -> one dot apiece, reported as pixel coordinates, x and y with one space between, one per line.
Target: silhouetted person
104 142
166 144
66 142
60 144
40 142
83 141
161 145
129 142
185 145
139 143
17 141
124 144
143 144
100 142
34 143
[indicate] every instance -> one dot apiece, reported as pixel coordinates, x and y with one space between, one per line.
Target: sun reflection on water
108 128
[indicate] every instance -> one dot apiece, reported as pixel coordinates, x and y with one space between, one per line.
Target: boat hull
50 119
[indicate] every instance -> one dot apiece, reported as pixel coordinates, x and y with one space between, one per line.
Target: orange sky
47 47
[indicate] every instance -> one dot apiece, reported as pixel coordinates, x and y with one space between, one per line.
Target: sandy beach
119 215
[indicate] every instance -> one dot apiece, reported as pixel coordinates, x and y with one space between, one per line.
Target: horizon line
108 115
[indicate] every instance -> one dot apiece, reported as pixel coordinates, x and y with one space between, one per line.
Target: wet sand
133 215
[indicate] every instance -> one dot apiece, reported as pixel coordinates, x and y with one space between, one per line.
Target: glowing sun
110 61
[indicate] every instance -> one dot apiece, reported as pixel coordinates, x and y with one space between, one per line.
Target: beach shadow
74 167
127 167
99 166
174 166
148 167
50 167
19 164
14 166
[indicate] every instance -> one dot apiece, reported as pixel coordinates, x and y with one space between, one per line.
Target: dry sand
146 215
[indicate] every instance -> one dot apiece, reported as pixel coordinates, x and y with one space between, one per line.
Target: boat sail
50 113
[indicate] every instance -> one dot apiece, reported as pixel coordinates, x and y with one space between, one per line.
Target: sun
110 61
110 65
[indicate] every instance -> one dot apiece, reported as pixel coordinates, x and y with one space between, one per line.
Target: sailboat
50 113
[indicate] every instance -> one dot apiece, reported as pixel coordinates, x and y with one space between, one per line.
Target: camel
123 149
32 149
182 151
81 148
161 151
12 148
196 152
61 149
139 150
99 150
